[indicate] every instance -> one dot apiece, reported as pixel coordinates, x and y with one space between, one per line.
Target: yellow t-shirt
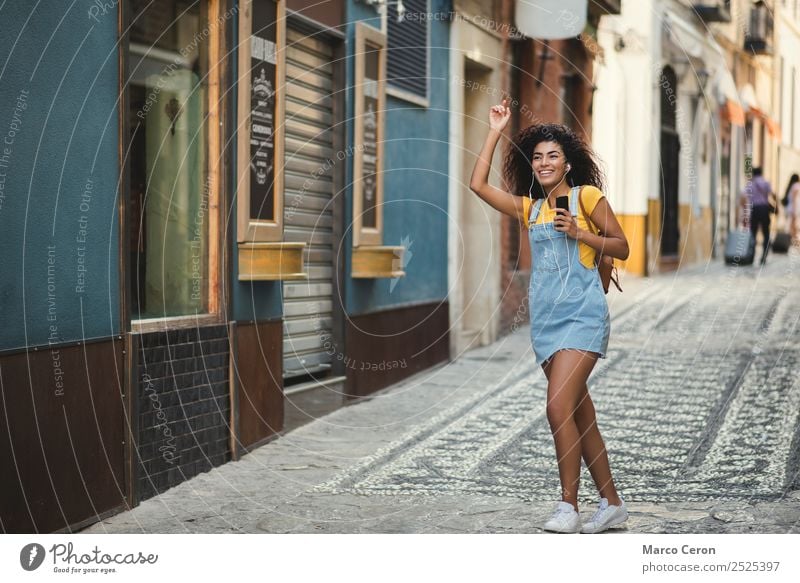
590 195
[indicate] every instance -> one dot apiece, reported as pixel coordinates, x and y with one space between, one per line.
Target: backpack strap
586 216
599 257
574 196
535 208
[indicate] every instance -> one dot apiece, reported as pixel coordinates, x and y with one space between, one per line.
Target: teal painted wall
58 173
252 300
415 194
415 180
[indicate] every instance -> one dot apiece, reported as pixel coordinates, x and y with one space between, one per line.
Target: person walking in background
791 201
570 323
756 197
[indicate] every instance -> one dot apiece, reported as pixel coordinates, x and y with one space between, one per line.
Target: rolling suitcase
781 242
740 247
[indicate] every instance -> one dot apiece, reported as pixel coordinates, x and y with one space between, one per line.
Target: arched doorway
670 149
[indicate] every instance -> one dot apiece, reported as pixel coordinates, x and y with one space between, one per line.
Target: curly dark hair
517 169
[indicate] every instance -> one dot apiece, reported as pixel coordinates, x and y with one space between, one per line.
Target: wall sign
263 55
260 127
370 106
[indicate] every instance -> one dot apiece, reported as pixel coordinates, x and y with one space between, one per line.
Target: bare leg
594 450
567 374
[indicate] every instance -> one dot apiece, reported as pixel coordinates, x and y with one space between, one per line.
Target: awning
682 38
733 112
773 127
747 95
721 85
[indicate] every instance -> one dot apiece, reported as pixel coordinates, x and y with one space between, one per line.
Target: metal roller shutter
308 206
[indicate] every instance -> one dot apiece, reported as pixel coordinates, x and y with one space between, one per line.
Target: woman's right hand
499 116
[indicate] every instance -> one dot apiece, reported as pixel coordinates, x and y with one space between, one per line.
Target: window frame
362 235
250 230
216 103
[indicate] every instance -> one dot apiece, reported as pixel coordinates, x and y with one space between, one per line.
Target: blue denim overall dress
567 303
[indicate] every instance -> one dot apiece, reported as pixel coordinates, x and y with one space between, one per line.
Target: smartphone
562 202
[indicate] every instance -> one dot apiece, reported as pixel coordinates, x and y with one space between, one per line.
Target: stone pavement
698 402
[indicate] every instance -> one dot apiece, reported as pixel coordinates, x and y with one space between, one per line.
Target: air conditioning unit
713 10
758 39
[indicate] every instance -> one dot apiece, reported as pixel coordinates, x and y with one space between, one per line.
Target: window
370 63
407 34
262 253
370 259
260 88
173 157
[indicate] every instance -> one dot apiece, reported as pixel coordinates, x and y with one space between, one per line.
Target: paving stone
276 523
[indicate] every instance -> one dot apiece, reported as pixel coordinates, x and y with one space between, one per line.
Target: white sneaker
565 519
606 517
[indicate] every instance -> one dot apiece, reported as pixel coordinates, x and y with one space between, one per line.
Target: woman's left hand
566 223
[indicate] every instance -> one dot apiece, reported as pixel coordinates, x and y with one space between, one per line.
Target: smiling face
549 163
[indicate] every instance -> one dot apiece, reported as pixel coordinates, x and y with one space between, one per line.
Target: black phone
562 202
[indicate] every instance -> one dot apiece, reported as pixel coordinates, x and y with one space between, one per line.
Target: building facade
479 58
786 87
749 132
690 104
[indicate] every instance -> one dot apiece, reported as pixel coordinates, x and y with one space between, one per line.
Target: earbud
569 167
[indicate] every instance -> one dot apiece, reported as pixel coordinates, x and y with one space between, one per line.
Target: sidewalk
460 448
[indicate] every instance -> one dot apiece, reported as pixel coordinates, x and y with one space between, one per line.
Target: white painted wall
626 122
787 41
474 228
622 111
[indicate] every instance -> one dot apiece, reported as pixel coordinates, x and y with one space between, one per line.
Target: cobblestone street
698 402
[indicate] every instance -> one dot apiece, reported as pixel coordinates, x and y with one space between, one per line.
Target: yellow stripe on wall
634 227
696 234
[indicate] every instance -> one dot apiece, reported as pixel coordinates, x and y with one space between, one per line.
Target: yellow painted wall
695 236
653 235
695 243
634 227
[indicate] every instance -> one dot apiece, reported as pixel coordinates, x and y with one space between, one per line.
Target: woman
792 202
569 314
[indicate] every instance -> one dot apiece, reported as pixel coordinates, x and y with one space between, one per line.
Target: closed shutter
407 41
308 202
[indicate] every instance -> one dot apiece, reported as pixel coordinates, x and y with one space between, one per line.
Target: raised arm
479 182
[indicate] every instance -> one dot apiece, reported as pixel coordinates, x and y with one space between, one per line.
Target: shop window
370 62
260 89
261 251
172 157
370 258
